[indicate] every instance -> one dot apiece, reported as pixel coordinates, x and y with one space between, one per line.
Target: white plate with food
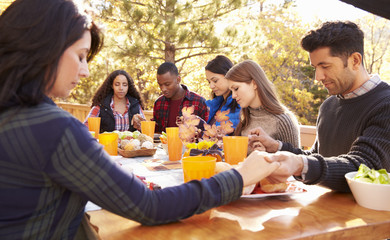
290 189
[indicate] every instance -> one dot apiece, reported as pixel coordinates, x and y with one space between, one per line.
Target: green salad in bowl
370 187
366 174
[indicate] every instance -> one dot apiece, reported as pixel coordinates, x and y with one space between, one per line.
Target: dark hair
35 34
221 65
246 72
167 67
343 39
106 88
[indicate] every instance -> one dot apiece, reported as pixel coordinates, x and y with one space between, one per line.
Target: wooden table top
315 214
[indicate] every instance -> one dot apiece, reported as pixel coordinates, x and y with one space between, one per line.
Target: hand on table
260 140
290 165
255 167
136 121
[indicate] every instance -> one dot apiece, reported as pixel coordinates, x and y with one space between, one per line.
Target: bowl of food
370 188
136 145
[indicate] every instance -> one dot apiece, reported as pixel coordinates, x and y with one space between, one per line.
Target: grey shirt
280 127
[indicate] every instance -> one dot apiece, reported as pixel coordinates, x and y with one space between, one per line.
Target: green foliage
140 35
277 40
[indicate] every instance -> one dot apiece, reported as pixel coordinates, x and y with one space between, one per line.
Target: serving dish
137 153
369 195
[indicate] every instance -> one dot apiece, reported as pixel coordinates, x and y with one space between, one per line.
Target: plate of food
266 189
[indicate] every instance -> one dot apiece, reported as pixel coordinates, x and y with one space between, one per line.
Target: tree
167 30
140 35
274 43
4 4
377 41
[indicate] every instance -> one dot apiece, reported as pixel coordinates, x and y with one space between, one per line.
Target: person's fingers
253 138
260 148
254 132
269 159
274 166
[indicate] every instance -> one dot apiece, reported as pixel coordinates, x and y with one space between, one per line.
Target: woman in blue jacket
222 96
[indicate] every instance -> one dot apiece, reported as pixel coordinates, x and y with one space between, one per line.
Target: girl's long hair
106 88
248 71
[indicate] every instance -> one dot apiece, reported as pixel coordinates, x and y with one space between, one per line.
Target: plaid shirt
161 108
50 166
365 88
122 121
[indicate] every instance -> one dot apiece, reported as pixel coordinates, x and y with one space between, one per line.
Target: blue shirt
50 166
214 105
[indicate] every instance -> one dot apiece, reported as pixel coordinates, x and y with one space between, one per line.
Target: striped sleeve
95 111
288 130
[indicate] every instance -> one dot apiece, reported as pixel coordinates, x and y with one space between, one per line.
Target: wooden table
315 214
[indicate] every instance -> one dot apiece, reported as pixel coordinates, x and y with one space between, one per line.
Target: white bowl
369 195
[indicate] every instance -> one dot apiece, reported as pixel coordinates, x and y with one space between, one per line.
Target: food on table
124 135
131 141
147 145
134 144
150 185
123 143
164 141
365 174
265 185
268 187
164 138
144 138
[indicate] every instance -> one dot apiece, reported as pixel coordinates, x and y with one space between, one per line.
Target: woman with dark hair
216 70
260 106
50 164
118 104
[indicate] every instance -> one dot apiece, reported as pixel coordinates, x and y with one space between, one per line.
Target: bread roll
268 187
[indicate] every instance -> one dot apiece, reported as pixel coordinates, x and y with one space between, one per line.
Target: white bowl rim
351 175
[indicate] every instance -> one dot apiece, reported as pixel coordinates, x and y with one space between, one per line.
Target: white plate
291 189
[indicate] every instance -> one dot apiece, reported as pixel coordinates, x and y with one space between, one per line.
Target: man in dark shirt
175 96
353 123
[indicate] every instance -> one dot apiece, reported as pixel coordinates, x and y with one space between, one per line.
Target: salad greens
365 174
127 134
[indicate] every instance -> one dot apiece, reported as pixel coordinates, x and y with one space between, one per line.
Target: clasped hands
265 147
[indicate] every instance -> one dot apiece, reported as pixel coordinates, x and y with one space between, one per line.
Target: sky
328 10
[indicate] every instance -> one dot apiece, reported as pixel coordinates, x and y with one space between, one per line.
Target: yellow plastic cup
175 146
198 167
94 125
147 128
110 142
235 149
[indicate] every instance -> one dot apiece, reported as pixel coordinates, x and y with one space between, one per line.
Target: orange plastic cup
94 125
110 142
175 146
198 167
147 128
235 149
